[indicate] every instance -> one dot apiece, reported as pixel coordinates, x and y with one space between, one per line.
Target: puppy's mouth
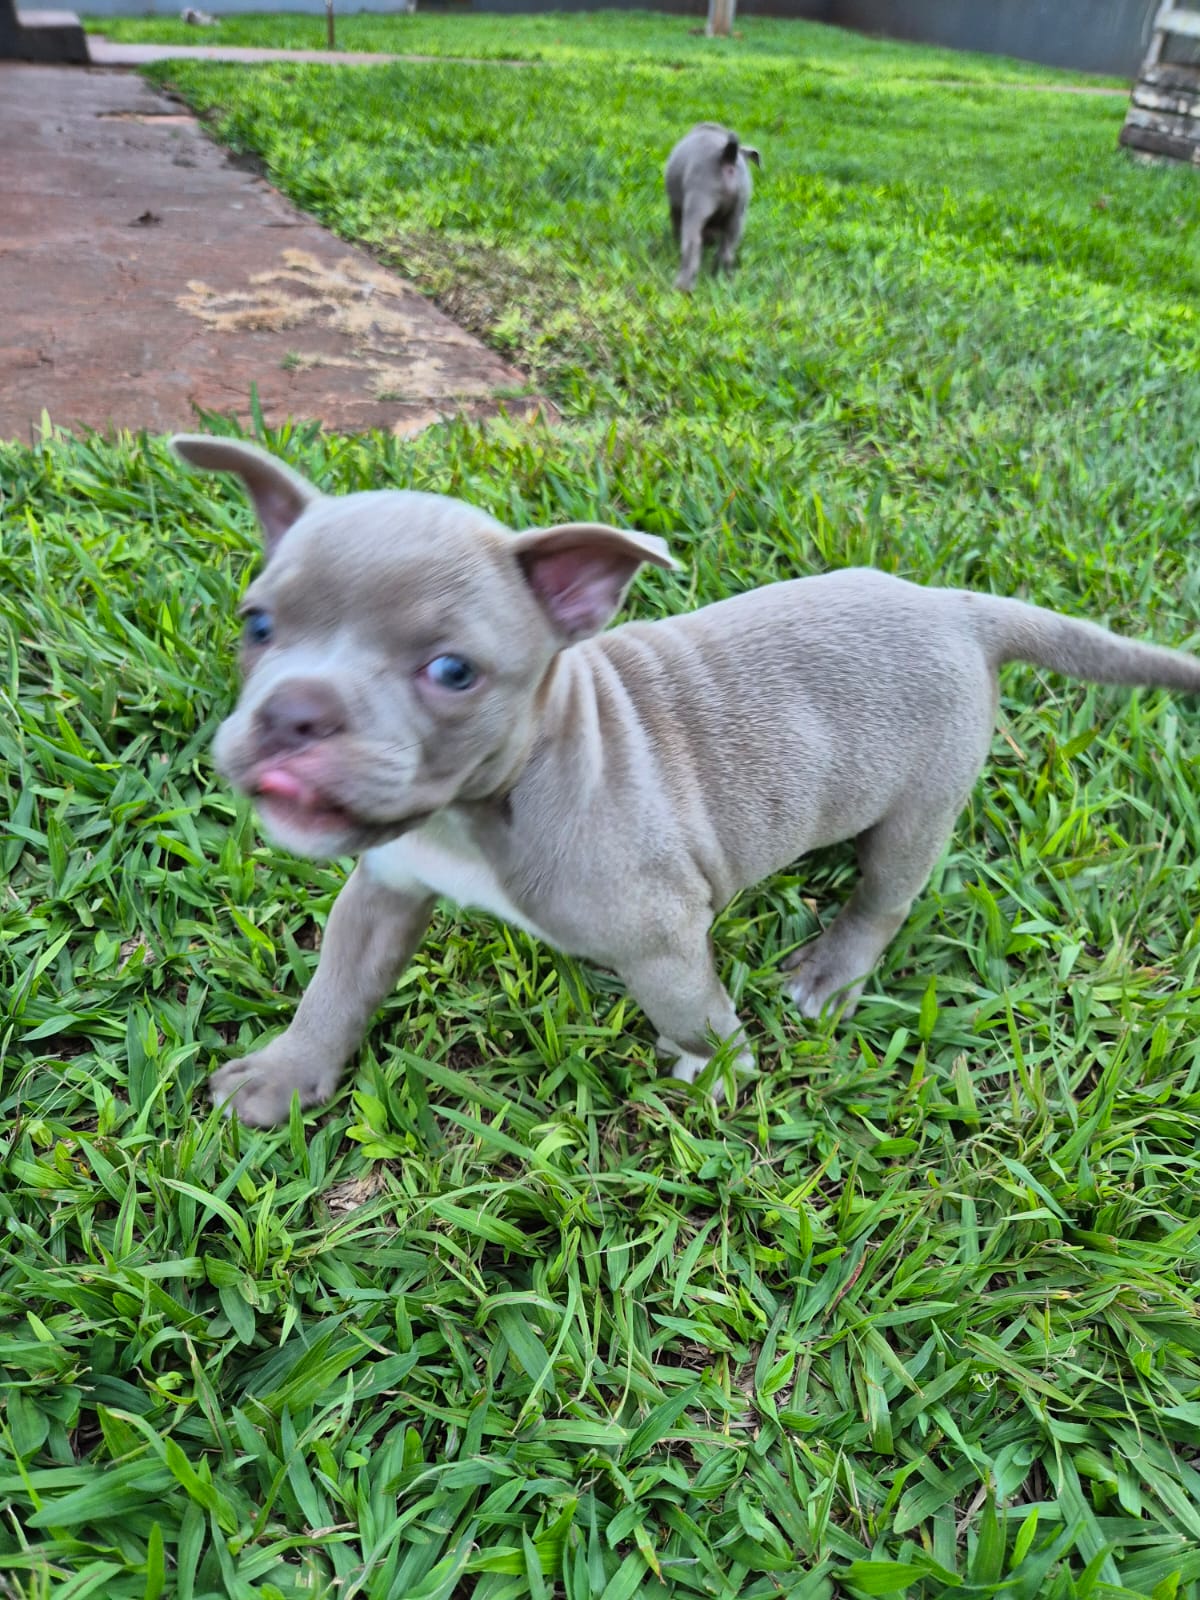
287 799
301 815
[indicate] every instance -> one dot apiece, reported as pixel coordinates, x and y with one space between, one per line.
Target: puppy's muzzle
296 714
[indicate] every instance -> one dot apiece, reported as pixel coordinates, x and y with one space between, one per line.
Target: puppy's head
393 649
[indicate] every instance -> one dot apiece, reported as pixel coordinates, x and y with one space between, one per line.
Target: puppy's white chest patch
441 858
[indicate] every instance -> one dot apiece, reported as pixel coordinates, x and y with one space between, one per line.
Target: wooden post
1163 118
720 18
330 42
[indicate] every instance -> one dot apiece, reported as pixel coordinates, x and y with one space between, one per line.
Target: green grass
518 1319
604 36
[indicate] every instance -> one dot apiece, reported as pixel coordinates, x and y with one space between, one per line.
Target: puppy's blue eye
451 672
258 627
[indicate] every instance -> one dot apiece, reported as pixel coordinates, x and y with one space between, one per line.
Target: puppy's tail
1014 631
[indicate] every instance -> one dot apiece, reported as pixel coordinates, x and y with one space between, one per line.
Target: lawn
517 1319
603 36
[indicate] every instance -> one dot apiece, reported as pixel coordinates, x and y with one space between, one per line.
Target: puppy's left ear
751 154
581 570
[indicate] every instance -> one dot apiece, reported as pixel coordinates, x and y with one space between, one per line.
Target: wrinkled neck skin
561 731
547 828
498 774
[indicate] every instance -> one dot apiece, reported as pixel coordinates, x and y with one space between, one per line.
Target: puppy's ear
581 570
751 154
279 495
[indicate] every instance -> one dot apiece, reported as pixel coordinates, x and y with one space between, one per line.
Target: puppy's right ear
279 495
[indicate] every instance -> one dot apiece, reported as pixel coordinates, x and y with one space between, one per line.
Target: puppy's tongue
285 785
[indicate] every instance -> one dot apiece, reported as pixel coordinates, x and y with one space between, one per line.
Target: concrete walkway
1027 88
143 274
109 53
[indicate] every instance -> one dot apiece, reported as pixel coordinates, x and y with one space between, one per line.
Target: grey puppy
431 693
708 190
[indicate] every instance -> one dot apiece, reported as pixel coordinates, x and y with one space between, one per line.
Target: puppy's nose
298 714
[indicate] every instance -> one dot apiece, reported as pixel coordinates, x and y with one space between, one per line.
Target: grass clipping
368 310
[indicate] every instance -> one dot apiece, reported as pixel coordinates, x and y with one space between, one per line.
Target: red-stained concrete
143 274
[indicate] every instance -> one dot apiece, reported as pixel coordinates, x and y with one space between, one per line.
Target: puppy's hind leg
730 239
895 857
691 240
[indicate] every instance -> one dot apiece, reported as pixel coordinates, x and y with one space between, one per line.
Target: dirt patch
158 118
371 309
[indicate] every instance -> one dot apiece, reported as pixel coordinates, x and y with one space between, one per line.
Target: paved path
1027 88
109 53
144 274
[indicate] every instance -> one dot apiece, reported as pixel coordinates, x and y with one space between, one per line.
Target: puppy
708 190
432 693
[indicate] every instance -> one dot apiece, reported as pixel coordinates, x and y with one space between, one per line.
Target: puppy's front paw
260 1088
688 1066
